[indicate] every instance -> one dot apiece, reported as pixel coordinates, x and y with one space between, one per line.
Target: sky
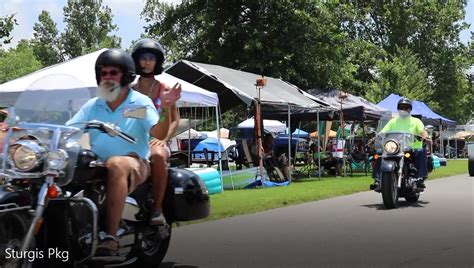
126 17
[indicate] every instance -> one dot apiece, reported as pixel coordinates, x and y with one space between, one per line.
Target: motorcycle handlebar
110 130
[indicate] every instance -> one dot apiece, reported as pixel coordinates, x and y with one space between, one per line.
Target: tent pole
297 142
366 156
441 149
259 133
319 146
219 148
455 147
289 144
189 140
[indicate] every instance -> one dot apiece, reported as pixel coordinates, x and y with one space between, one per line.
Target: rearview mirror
429 129
134 111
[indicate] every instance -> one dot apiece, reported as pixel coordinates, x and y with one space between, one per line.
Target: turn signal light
52 191
376 156
407 155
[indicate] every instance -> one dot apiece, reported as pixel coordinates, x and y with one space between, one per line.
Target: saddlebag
189 196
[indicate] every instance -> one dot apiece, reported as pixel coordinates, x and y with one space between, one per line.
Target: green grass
454 167
232 203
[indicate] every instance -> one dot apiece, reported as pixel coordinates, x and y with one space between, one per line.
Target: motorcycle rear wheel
155 250
389 190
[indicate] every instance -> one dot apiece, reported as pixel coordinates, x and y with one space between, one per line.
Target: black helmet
116 57
404 101
150 46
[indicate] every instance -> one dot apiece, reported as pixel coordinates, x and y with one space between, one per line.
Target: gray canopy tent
354 108
278 99
351 108
234 87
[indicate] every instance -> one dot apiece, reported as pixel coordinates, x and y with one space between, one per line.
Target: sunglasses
111 73
404 108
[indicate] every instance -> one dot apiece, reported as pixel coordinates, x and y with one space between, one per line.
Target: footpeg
164 231
375 187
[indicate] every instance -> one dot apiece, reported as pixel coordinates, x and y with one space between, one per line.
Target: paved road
348 231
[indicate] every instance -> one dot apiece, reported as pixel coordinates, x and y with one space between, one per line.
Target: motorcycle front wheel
13 228
389 190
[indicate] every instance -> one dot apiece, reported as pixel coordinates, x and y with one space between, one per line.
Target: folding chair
273 171
311 167
358 164
247 157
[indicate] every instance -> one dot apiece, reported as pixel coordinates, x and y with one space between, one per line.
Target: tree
88 27
402 75
7 24
18 62
46 44
326 44
430 30
471 49
301 41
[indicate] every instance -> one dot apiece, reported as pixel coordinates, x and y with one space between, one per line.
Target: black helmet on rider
116 57
404 103
148 46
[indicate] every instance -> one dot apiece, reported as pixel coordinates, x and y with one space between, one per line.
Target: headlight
26 155
391 147
58 159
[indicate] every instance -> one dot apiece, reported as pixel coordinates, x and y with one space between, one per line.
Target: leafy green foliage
401 75
88 25
430 30
366 48
46 45
7 24
18 62
291 39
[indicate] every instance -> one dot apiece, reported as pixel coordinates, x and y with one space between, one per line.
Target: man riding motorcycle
127 164
406 123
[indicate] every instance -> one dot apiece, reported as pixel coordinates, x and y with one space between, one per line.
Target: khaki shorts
139 171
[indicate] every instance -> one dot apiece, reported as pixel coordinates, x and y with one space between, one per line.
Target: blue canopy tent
299 133
213 145
419 109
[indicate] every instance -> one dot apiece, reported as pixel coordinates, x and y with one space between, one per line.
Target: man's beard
108 90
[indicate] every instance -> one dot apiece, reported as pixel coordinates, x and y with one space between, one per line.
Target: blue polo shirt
106 146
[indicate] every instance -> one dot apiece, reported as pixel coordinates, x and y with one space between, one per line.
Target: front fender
14 194
388 166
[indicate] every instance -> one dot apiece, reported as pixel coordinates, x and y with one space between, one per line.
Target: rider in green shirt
406 123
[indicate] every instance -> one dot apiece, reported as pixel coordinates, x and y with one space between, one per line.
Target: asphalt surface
347 231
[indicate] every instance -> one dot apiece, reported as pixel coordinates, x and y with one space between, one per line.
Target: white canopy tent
83 68
274 126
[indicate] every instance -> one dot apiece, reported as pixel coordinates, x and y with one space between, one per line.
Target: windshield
405 140
383 121
53 99
36 124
